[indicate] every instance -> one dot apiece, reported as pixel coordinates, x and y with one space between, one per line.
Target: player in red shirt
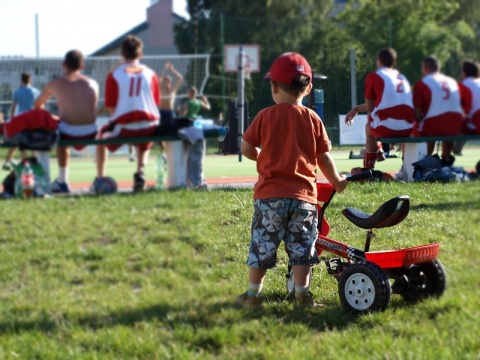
437 106
388 102
132 96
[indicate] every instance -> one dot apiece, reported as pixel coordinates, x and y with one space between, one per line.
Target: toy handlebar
365 175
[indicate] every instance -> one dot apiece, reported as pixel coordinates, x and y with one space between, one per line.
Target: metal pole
240 101
37 37
222 47
353 78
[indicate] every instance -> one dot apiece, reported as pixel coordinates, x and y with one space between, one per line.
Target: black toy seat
389 214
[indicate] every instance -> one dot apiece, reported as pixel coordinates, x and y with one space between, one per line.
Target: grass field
82 169
155 276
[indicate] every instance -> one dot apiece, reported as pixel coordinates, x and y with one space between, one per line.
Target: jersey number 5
135 86
446 90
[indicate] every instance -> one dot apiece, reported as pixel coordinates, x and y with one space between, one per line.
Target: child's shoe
250 301
304 300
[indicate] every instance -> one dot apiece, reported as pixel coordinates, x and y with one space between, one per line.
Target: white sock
62 175
254 289
302 290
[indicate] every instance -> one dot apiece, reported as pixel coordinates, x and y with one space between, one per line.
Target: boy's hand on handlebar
341 185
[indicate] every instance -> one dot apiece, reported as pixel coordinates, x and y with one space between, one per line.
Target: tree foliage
325 32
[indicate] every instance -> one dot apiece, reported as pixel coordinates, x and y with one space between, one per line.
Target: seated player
77 98
132 96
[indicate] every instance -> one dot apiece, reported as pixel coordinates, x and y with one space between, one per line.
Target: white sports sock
62 175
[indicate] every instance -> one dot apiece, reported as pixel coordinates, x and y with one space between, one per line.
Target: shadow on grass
318 318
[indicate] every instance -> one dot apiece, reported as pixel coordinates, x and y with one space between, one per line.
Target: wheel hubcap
360 291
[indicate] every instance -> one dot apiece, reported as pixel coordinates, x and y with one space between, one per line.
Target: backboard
251 57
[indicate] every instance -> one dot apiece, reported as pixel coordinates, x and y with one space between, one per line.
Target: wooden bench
176 159
415 148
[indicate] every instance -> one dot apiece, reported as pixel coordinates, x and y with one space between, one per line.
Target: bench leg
413 152
176 164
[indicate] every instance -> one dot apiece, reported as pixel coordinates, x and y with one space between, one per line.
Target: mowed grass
82 169
155 276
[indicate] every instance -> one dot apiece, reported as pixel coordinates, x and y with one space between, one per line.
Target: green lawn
155 276
82 169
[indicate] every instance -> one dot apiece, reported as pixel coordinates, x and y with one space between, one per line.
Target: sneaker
304 300
131 158
399 176
250 301
57 187
138 182
380 155
350 156
6 167
201 187
449 161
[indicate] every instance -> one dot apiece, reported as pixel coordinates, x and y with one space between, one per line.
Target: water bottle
160 172
203 123
27 180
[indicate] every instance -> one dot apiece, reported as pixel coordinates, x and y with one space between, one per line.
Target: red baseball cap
287 66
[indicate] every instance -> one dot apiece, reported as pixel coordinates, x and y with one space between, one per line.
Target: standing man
169 91
23 99
438 111
388 103
77 98
132 96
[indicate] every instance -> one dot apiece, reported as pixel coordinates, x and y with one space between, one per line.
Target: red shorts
126 133
384 132
91 136
438 127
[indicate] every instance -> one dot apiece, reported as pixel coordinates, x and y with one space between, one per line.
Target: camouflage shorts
290 220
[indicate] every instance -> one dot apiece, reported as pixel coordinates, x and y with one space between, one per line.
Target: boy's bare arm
249 151
328 168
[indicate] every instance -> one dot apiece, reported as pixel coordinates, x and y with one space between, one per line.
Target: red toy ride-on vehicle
366 279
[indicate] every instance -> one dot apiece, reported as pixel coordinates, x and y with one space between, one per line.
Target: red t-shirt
291 138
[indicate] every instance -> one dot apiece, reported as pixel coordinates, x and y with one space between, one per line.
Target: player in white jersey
470 97
388 102
132 96
438 111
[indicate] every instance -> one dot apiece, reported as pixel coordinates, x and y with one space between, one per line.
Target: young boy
293 144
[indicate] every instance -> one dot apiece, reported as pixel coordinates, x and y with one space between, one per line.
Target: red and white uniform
470 98
438 98
392 115
132 90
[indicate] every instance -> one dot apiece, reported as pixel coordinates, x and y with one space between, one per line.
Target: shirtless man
77 98
168 91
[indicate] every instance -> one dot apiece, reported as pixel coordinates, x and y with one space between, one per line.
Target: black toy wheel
363 287
291 280
424 280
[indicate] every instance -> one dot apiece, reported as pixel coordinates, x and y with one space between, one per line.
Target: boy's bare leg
300 274
256 275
